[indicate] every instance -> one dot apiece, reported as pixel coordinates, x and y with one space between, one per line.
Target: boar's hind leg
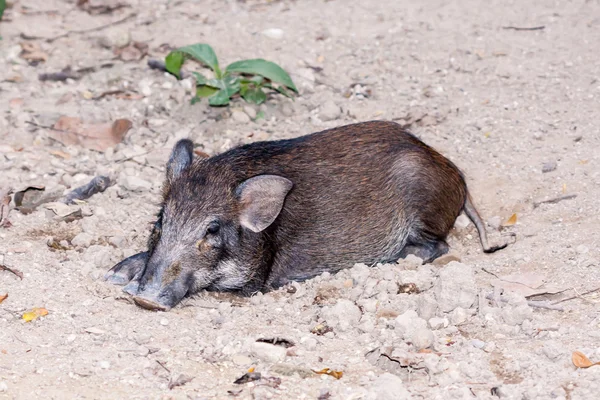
427 251
128 269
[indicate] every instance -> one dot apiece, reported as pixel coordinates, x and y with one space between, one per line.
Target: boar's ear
261 200
180 159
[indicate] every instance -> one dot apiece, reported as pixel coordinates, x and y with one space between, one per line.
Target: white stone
82 240
135 184
455 287
461 222
390 387
329 111
273 33
436 323
268 352
422 338
240 117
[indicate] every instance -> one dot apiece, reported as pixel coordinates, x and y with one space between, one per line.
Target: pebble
117 241
408 322
164 322
268 352
390 387
426 306
413 261
436 323
462 222
250 111
489 347
422 338
455 287
273 33
479 344
516 315
549 166
135 184
459 316
240 117
582 249
3 387
309 343
82 240
329 111
345 310
104 364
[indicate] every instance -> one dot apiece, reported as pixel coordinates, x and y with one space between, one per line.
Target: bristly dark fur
369 192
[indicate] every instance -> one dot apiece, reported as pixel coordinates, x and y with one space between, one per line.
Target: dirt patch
515 109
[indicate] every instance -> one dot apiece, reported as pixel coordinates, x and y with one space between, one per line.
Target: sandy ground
504 104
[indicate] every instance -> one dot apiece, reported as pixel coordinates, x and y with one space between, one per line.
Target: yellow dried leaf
250 370
564 189
581 361
512 220
330 372
34 314
583 162
3 297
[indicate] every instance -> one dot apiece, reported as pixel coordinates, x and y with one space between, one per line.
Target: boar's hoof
149 304
126 270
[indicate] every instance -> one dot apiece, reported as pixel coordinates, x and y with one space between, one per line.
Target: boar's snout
160 288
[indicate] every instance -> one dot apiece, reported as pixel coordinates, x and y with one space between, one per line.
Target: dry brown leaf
3 297
32 52
511 221
581 361
60 154
134 51
99 137
330 372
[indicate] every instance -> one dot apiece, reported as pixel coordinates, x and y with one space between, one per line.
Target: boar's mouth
149 304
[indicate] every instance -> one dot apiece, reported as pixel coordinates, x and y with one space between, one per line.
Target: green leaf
201 52
173 63
200 79
2 7
205 91
254 95
231 85
259 115
264 68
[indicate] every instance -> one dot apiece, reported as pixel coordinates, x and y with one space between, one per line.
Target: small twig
96 185
577 296
98 28
531 303
544 304
11 270
46 127
517 28
489 272
162 365
554 200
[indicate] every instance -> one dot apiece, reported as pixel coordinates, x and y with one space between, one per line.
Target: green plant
2 7
246 77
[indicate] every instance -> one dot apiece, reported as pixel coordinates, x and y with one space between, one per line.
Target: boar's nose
149 304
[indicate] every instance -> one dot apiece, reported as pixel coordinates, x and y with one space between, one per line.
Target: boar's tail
474 216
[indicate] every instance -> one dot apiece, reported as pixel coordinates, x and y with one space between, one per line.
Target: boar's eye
213 228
